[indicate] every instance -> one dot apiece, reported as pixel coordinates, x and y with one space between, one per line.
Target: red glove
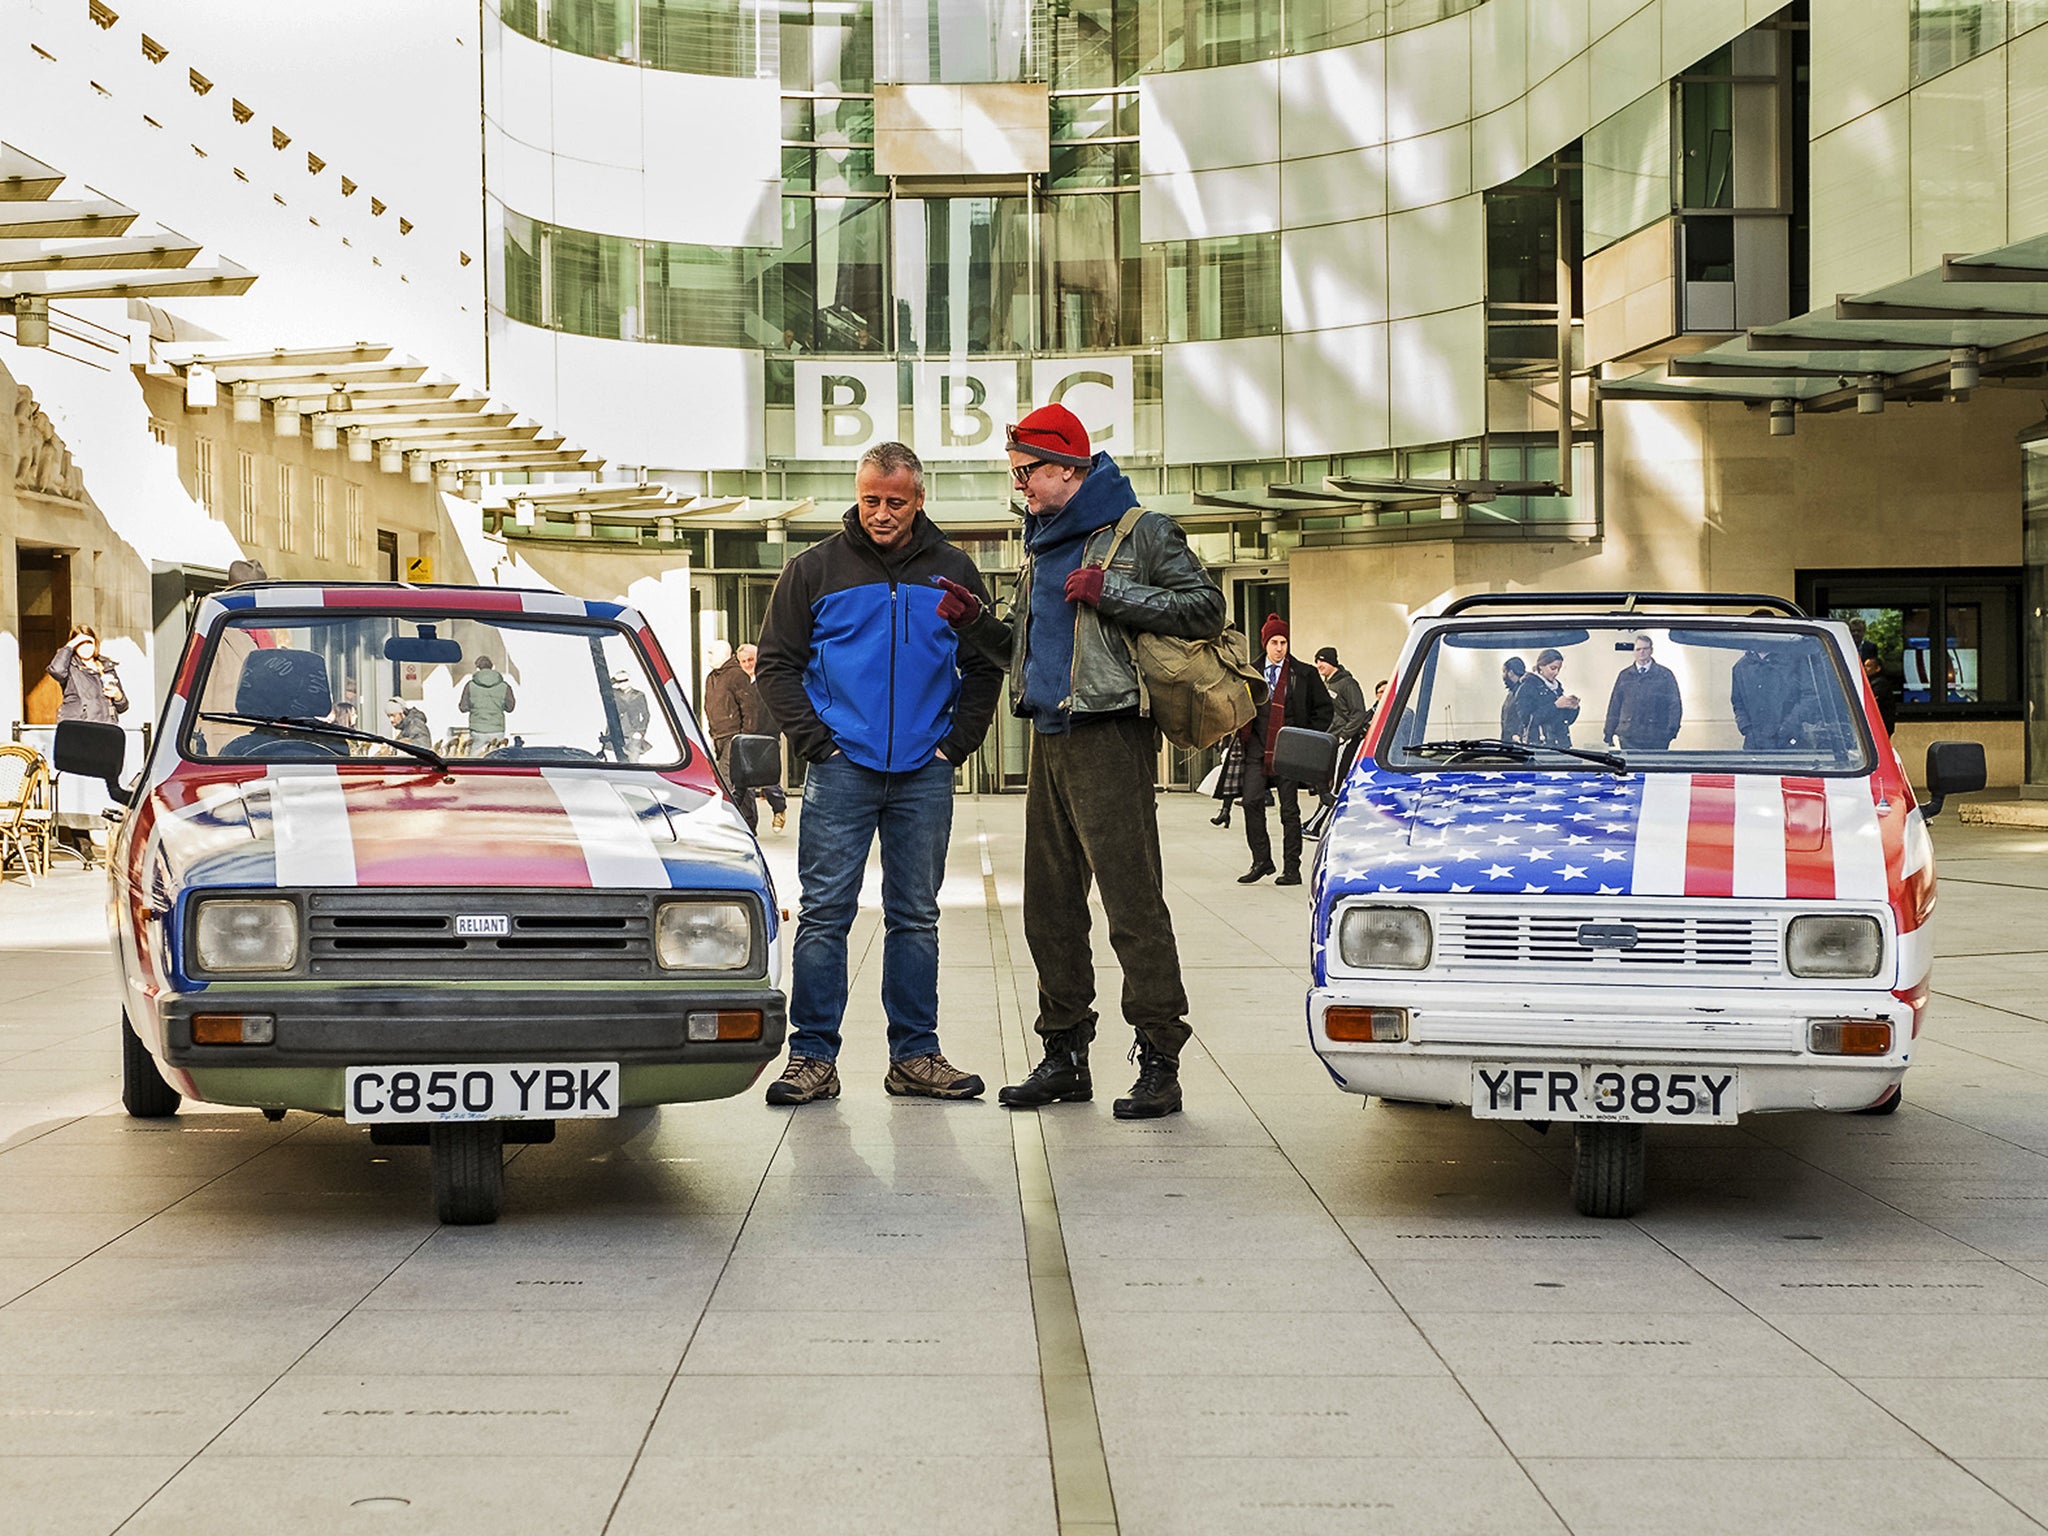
957 606
1085 585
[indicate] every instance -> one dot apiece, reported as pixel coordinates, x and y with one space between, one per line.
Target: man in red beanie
1295 696
1089 811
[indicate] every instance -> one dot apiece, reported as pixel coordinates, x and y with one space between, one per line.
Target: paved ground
1280 1312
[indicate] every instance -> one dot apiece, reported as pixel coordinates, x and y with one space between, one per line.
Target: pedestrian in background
876 693
1297 697
487 697
1090 801
408 722
92 684
1644 710
634 715
1546 712
1882 689
1349 713
1512 671
1229 780
761 722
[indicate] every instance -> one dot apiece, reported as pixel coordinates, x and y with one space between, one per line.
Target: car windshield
529 688
1767 697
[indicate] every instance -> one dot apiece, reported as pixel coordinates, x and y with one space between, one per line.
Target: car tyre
1607 1169
1890 1106
144 1093
469 1172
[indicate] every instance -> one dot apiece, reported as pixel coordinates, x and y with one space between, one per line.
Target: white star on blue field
1508 834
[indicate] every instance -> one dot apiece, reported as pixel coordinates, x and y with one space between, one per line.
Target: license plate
499 1090
1636 1095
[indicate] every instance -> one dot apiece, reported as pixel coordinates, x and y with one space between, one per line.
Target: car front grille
371 935
1608 941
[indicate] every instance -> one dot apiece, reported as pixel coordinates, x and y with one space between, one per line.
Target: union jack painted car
454 863
1616 866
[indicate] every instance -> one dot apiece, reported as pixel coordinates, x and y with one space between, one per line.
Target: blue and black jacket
855 657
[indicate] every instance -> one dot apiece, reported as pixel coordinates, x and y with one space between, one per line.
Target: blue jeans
845 805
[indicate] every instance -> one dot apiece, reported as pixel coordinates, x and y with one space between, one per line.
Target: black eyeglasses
1021 473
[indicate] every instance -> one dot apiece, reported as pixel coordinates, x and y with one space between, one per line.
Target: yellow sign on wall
420 568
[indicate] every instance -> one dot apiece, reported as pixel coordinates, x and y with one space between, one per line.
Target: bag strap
1124 525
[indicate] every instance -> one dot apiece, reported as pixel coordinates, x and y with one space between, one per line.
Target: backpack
1198 692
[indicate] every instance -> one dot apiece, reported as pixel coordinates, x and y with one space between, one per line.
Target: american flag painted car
1619 868
440 860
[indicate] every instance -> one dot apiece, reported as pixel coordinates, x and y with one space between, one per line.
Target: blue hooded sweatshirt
1055 543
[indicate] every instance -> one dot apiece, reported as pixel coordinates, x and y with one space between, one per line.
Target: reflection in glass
1216 290
961 42
1094 292
963 275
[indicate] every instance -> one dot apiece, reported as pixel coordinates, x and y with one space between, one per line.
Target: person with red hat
1295 696
1090 797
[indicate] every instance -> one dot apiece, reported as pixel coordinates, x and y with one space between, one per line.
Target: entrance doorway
42 579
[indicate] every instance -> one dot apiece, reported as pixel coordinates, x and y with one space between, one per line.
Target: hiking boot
1256 873
931 1077
1157 1090
1062 1075
804 1079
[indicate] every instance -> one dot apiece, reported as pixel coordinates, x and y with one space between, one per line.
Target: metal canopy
1935 335
55 248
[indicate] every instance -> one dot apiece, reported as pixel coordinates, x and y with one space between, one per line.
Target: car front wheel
144 1093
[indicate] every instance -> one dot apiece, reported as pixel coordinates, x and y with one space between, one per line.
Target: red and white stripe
1718 834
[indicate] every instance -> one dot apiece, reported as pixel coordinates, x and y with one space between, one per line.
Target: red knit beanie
1274 625
1055 434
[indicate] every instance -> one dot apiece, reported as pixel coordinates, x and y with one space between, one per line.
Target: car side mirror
1307 757
1953 768
91 750
754 762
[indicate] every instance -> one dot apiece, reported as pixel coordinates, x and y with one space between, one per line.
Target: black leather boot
1157 1090
1062 1075
1259 870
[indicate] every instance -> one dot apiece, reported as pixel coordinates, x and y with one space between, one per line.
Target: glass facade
1946 33
960 42
1628 170
698 37
1196 34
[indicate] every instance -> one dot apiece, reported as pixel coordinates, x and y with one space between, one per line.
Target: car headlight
246 935
1833 946
704 936
1384 938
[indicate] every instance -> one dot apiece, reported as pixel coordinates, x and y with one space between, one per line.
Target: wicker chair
22 840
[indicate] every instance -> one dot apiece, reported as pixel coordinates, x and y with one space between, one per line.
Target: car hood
1604 835
300 825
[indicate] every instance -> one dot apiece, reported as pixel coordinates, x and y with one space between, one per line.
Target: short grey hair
890 457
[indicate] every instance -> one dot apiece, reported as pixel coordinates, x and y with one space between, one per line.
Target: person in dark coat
1882 688
1296 697
1644 711
1545 710
1349 713
1512 671
408 722
92 687
1762 691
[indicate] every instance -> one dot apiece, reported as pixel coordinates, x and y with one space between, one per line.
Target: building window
1523 220
203 486
352 524
1214 290
320 541
1945 33
963 275
287 508
245 502
733 38
1948 640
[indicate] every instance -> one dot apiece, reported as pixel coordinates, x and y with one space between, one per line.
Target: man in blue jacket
875 693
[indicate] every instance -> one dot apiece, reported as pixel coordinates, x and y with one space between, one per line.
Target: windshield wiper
1516 751
328 728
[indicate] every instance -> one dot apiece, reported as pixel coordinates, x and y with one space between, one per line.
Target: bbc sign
957 409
